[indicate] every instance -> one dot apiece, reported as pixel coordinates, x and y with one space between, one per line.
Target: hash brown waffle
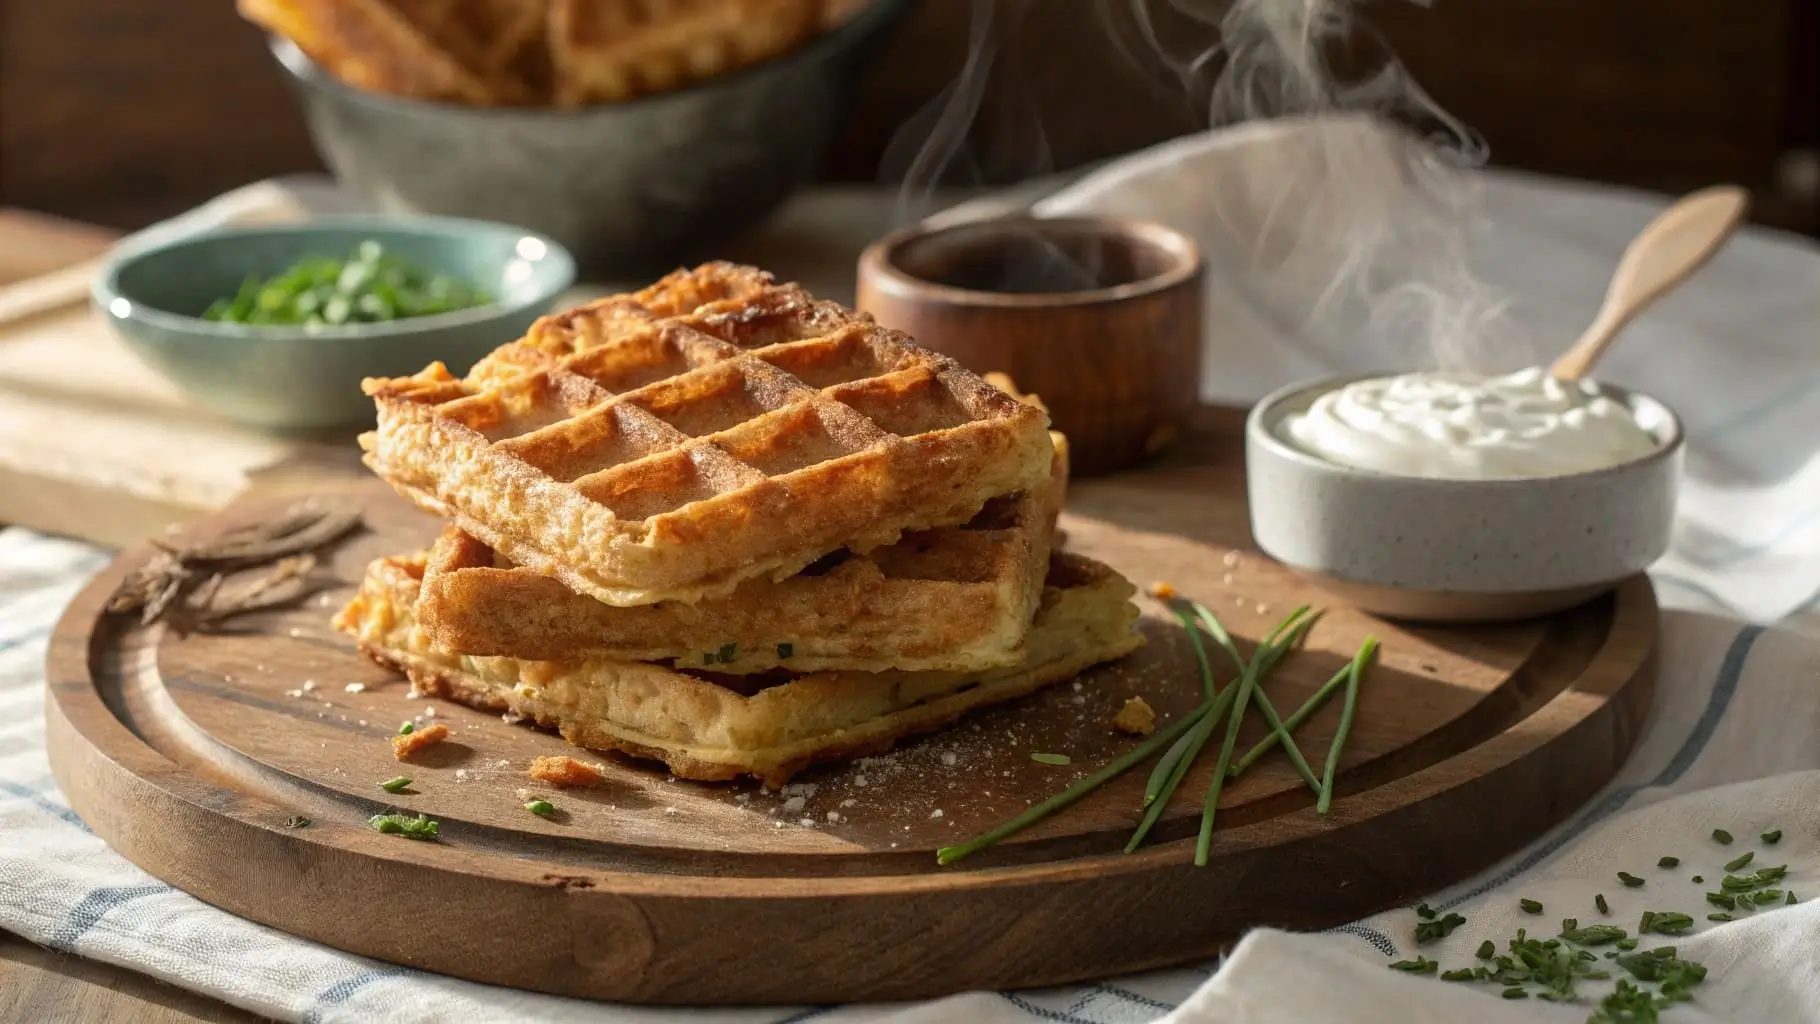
956 598
603 50
769 728
477 52
639 454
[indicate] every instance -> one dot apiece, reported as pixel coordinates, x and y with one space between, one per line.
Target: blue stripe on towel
1130 996
36 798
1041 1012
344 990
93 907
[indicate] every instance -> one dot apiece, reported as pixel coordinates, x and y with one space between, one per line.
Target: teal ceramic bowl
292 379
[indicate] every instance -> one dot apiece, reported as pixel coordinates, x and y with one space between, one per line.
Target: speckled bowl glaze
1458 550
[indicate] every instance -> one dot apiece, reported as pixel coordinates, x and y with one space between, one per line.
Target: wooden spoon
1667 252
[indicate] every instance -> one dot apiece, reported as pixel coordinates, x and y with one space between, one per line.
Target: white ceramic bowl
1458 550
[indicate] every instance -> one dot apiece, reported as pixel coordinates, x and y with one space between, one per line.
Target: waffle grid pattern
640 454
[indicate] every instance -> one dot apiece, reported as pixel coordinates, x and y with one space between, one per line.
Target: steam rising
1353 239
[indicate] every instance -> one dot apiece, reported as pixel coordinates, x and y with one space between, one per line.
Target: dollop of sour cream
1463 427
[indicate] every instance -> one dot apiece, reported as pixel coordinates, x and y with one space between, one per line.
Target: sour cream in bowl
1445 496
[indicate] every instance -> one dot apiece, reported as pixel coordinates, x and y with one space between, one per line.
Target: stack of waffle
724 525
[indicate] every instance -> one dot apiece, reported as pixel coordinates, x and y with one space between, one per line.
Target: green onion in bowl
369 287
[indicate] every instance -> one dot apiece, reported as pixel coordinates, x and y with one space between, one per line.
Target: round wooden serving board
189 754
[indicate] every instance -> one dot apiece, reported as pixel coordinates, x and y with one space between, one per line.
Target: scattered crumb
1231 559
1137 717
934 814
363 721
1263 609
428 736
1163 590
807 823
670 810
429 712
308 685
525 794
1077 686
293 693
463 775
511 718
794 804
948 758
833 816
295 632
1225 577
1078 699
849 802
742 798
356 688
413 695
859 780
777 824
563 770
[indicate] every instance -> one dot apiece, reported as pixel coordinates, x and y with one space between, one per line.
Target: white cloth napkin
1733 740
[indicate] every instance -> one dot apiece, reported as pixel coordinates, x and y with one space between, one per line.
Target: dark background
125 111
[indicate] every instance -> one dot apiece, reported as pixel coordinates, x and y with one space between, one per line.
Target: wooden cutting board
93 444
189 755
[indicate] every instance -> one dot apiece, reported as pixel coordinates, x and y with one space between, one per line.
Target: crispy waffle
479 52
710 727
640 454
602 50
956 598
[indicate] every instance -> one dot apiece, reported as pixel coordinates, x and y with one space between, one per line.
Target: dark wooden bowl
1100 317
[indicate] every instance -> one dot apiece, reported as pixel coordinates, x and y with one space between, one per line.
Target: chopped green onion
1739 863
406 729
1058 760
541 808
1668 862
1599 901
1630 881
1347 709
1486 950
1039 811
420 828
395 785
1420 965
1771 838
1530 906
1722 836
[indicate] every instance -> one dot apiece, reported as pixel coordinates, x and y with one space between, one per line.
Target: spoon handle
1674 245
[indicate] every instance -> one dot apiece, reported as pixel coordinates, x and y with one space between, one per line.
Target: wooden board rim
110 773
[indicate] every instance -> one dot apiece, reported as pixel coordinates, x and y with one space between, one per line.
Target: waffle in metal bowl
712 727
641 455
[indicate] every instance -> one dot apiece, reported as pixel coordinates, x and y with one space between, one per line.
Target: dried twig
194 583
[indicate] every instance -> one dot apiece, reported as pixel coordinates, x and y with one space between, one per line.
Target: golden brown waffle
957 598
479 52
602 50
721 727
640 454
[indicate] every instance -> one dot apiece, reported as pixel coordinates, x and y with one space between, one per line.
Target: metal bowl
628 187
